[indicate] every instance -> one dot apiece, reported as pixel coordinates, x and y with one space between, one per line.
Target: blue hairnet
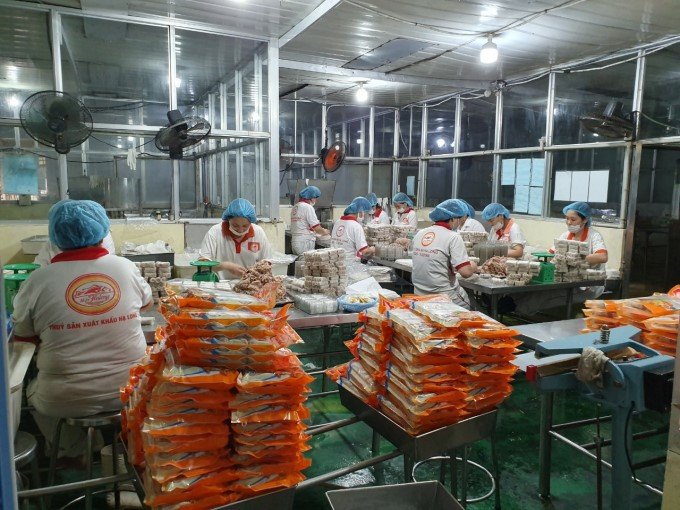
240 208
373 199
310 192
77 224
493 210
448 209
583 208
402 198
471 210
359 204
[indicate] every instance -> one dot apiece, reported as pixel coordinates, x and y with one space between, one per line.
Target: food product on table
257 277
494 266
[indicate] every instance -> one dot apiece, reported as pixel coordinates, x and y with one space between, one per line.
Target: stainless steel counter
532 334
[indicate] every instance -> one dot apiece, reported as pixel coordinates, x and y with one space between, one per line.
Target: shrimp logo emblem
427 239
93 294
341 230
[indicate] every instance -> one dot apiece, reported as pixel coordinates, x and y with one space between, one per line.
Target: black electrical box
659 389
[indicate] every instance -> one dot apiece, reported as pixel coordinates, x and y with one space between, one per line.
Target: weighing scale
204 272
635 383
547 274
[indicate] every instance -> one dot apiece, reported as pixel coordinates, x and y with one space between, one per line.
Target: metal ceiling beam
308 21
373 75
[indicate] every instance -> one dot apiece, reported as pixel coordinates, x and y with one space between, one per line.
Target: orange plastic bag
266 413
293 382
169 444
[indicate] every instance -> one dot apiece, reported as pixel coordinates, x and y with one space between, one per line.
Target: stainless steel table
495 290
532 334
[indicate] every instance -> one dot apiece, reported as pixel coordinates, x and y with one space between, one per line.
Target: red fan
333 156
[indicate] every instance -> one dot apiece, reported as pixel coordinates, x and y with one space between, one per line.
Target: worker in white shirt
377 216
405 214
304 225
49 250
504 229
578 216
236 243
439 255
470 224
348 233
83 312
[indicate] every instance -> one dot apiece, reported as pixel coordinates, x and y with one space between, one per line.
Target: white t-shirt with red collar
590 236
472 225
510 233
303 221
348 234
407 218
379 218
246 252
438 252
85 308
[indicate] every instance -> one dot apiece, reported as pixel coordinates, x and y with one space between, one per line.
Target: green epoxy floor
573 475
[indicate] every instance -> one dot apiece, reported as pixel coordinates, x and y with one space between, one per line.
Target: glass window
408 179
383 132
475 179
125 86
351 180
439 181
25 58
410 131
589 175
357 137
382 180
441 127
661 103
308 124
478 124
524 114
659 177
578 94
522 180
287 127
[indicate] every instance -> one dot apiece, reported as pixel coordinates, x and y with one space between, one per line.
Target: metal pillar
273 96
238 108
422 164
173 106
371 144
458 129
497 140
395 153
257 122
224 160
548 156
55 25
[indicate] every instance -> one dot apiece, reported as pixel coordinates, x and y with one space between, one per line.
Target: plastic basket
355 307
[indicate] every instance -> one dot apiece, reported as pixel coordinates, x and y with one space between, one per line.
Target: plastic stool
25 447
92 424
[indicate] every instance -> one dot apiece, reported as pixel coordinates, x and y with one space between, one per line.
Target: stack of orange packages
431 362
213 414
657 316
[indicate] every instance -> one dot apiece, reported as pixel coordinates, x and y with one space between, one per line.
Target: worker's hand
403 241
232 268
326 232
368 252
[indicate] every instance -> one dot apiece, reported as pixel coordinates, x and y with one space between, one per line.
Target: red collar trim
88 253
407 210
501 232
378 211
304 200
444 224
584 235
349 217
237 241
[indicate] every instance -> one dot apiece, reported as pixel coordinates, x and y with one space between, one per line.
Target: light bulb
489 53
441 142
131 138
362 94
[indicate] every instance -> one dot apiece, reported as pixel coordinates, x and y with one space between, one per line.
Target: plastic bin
405 496
32 245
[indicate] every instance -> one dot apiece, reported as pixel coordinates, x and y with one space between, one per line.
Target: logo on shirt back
428 239
93 294
340 231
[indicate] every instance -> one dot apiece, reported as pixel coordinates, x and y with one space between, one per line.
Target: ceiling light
131 138
362 94
453 144
488 12
178 82
441 142
13 101
489 53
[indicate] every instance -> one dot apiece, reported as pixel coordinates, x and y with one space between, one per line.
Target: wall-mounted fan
285 159
611 123
56 119
333 156
182 133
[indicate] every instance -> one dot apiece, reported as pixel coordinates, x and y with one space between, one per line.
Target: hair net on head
373 199
440 213
359 204
448 209
471 210
77 224
310 192
583 208
403 199
240 208
493 210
